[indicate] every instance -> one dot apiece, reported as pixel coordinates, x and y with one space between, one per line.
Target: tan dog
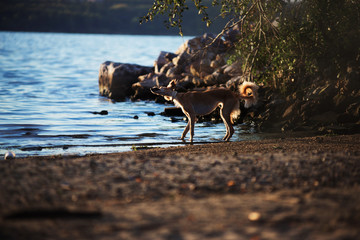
195 103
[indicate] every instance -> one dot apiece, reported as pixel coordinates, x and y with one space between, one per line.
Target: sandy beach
279 188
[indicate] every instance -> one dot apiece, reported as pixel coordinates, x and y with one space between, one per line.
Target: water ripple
49 89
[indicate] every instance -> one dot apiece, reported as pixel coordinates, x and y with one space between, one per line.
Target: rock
165 68
198 61
218 62
181 59
103 112
9 155
171 73
254 216
185 83
172 111
234 82
150 80
163 58
142 88
116 79
160 61
170 56
216 78
198 82
232 35
234 69
151 114
209 80
195 45
181 63
201 68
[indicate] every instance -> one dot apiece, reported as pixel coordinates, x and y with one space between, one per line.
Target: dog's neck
173 95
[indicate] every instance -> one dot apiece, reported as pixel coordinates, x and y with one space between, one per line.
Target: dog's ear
172 84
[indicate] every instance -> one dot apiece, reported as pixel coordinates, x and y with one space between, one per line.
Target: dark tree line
81 16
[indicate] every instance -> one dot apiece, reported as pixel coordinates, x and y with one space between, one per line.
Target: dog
195 103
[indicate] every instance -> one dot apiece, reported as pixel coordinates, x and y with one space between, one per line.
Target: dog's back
205 102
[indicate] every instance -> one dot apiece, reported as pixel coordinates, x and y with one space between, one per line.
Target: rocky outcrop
329 106
199 62
115 79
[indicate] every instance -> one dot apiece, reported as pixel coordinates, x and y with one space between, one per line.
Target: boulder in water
116 79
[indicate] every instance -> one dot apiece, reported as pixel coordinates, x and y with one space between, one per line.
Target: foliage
175 10
282 43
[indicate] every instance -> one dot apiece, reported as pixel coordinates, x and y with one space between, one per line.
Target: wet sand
281 188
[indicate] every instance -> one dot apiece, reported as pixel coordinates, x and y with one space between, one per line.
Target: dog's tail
249 92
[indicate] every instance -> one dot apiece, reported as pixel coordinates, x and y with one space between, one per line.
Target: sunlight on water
49 91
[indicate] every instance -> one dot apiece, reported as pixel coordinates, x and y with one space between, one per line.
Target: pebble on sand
9 155
254 216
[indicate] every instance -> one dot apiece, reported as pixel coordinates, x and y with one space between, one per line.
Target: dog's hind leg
190 126
225 116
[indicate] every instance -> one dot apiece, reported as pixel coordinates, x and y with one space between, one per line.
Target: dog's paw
226 139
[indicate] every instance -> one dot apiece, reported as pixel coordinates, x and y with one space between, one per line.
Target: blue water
49 89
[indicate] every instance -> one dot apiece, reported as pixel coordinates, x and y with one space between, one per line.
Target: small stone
103 112
254 216
151 114
215 163
9 155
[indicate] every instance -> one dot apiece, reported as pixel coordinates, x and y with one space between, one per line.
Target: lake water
49 89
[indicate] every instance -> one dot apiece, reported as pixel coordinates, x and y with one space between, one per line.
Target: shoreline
277 188
133 146
268 143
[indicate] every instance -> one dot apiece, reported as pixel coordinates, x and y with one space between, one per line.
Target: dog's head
167 92
249 92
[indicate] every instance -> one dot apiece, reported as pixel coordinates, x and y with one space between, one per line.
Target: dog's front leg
190 126
191 116
186 130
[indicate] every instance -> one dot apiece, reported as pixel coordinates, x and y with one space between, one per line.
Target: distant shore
280 188
103 17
